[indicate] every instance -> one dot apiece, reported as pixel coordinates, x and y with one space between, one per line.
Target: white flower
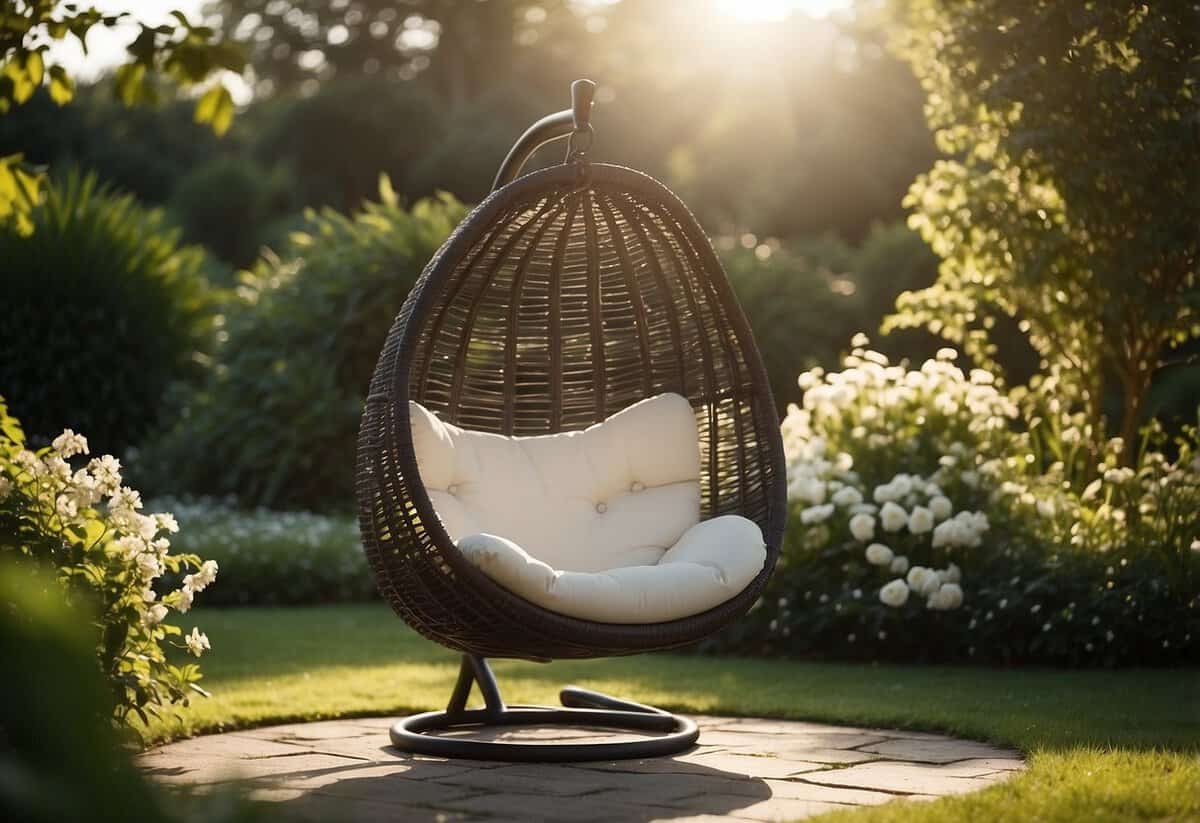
941 507
922 580
847 496
154 615
203 578
886 493
149 565
948 533
948 596
69 444
899 564
892 517
920 521
186 597
65 508
879 554
130 545
124 499
197 642
816 514
1045 508
107 472
862 526
894 594
971 479
950 574
166 522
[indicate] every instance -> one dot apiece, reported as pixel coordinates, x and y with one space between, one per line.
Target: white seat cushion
601 524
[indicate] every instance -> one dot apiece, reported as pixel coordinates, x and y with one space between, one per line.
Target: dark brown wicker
549 308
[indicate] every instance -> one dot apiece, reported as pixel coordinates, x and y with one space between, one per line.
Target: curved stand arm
550 128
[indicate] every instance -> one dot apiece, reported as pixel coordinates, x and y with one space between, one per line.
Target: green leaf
215 107
35 68
20 191
130 82
22 87
62 87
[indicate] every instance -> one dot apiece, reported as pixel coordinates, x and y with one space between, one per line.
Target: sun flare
772 11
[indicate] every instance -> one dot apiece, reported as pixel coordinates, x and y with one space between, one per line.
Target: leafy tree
1070 197
142 151
182 52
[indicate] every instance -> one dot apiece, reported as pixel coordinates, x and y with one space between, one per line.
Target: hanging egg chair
569 448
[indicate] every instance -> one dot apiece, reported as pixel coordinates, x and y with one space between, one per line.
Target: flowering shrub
87 525
273 557
932 519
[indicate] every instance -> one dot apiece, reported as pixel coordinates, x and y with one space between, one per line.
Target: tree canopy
182 52
1070 194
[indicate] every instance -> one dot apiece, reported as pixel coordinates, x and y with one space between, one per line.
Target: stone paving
743 769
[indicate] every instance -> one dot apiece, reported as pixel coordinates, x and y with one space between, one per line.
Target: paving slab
744 769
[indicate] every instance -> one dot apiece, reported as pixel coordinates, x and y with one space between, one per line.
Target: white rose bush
62 510
935 516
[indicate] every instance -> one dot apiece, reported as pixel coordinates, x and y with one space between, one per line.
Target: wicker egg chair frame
565 296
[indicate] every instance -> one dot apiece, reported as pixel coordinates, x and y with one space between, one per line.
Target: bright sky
106 47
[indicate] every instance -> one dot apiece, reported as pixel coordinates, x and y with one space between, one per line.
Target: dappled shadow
412 787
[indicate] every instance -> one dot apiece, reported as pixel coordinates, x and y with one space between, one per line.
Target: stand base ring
580 708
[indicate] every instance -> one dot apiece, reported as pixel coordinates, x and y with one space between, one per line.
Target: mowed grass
1102 745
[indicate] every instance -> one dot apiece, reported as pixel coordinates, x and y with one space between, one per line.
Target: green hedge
269 558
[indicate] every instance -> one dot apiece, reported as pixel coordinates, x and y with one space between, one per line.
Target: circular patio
742 769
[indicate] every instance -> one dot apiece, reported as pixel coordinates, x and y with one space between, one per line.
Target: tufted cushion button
452 488
637 486
601 508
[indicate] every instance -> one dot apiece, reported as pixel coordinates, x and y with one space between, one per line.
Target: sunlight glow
773 11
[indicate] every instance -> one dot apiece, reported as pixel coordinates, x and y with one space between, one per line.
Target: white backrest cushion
619 493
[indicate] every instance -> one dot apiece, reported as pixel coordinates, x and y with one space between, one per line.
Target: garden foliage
275 558
276 421
182 51
103 311
108 557
803 297
1070 195
926 525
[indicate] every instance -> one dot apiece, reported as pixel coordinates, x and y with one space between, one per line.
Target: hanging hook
582 94
574 123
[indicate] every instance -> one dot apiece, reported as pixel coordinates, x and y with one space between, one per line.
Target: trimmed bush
276 421
227 205
103 310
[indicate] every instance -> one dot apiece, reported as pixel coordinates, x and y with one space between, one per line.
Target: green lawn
1102 745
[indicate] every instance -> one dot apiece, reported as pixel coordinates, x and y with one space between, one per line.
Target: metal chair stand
581 708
